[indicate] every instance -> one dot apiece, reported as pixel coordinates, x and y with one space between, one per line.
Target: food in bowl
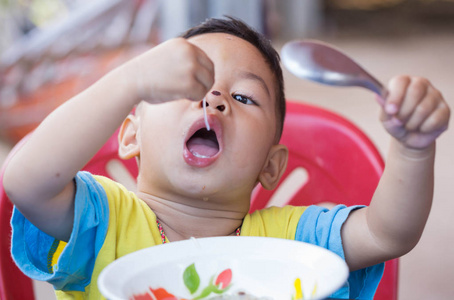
219 284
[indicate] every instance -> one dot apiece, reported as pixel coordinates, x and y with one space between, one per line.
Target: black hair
240 29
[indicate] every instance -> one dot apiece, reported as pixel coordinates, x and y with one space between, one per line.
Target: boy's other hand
414 112
175 69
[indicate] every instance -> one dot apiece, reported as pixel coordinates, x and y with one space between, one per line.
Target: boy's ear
274 167
127 138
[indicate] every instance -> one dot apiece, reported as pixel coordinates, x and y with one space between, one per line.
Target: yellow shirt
132 226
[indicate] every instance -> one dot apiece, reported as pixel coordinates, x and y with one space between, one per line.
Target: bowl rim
207 244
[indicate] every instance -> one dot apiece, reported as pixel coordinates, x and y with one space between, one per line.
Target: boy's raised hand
175 69
415 112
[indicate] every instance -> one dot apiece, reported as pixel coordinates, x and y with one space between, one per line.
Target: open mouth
203 143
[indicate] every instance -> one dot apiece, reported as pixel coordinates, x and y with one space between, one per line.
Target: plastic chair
330 160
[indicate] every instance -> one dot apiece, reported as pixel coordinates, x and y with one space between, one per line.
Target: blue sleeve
322 227
32 249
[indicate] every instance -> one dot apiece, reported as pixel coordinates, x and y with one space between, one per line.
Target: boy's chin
212 189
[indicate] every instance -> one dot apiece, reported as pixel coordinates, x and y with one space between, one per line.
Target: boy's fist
175 69
414 112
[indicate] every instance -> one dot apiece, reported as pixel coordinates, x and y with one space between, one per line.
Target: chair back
330 160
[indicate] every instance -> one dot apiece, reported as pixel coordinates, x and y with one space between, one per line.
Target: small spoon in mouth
320 62
205 116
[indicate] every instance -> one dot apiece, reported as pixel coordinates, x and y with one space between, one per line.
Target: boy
195 182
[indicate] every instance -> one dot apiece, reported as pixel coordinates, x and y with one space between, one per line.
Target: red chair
329 160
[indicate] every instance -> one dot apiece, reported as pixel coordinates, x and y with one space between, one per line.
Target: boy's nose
216 100
220 107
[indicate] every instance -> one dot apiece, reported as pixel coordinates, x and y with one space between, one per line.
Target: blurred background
52 49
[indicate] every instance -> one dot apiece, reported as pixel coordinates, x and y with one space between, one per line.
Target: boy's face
179 157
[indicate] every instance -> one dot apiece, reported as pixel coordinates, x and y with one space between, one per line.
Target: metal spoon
320 62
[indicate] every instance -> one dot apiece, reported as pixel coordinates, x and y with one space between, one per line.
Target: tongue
202 147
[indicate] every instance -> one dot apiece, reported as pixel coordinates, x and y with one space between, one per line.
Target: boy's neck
194 217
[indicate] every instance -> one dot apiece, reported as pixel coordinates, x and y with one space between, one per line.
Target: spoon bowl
321 62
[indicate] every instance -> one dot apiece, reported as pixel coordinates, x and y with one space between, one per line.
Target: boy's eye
243 99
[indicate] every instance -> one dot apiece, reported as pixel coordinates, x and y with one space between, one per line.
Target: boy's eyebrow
253 76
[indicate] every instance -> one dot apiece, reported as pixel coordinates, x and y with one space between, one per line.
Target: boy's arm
415 114
39 179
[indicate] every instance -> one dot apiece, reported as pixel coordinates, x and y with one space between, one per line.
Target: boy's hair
240 29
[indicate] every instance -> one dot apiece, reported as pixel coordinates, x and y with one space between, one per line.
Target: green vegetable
191 279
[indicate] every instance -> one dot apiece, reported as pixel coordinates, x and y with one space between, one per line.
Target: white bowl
263 267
